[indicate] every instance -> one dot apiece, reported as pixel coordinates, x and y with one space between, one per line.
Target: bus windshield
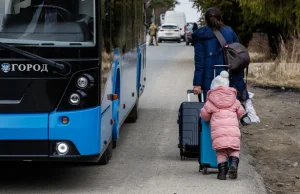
60 23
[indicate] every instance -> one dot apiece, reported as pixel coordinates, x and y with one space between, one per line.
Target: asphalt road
147 158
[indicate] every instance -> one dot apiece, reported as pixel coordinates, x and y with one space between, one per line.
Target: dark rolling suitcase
189 125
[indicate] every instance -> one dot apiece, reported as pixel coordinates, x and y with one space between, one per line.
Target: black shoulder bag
236 56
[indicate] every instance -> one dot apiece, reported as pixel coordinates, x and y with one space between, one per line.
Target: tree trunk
275 36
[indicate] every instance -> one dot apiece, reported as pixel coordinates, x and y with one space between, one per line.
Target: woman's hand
197 89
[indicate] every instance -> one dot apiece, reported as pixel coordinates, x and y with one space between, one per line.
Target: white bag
251 116
251 113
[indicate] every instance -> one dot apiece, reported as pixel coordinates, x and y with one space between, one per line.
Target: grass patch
283 72
275 74
258 57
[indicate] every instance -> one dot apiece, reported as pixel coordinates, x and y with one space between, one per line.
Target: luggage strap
220 38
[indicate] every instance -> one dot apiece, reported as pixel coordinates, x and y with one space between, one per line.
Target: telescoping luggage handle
189 92
218 66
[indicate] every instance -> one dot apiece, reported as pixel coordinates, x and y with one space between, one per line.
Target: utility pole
153 16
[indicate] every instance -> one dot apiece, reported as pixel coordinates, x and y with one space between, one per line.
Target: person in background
223 110
195 27
153 31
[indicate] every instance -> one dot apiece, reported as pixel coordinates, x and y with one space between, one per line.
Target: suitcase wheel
182 157
205 172
200 168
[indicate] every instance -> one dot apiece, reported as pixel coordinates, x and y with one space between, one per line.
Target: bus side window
106 48
118 24
129 25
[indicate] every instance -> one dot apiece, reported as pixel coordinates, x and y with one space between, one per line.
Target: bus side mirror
180 28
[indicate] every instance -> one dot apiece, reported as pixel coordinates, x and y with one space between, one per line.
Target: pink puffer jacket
223 110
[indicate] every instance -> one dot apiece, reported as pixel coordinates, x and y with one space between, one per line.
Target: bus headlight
74 99
82 82
82 92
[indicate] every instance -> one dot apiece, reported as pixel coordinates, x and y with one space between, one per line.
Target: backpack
236 56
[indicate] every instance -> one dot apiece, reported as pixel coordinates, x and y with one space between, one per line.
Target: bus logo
5 67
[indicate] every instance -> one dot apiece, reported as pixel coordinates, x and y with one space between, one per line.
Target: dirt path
275 142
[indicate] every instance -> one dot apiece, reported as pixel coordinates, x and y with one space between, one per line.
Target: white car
169 32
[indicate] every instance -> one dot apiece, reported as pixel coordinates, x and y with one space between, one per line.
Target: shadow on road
17 175
42 171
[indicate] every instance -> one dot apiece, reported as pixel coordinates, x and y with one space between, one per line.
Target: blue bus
72 72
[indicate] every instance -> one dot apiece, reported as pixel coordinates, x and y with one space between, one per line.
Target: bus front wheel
133 115
114 144
106 155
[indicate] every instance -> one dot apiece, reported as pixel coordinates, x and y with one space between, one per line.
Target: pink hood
222 97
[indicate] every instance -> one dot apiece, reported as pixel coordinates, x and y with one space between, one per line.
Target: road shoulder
274 143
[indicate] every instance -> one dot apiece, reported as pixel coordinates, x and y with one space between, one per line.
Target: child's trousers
223 154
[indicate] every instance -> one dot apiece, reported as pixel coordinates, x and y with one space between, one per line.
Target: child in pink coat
223 110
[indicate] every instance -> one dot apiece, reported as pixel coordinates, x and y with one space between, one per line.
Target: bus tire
114 144
133 115
107 155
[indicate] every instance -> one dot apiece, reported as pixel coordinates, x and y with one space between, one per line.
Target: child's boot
223 169
233 169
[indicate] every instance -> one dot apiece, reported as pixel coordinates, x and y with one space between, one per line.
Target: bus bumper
28 158
19 139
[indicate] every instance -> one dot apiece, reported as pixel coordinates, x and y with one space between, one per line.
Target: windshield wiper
32 56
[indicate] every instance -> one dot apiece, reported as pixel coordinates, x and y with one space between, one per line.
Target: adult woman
208 53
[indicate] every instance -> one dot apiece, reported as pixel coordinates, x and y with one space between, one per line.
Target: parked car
191 27
169 31
188 34
188 24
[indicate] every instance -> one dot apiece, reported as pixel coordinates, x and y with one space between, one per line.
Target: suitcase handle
217 66
221 65
189 92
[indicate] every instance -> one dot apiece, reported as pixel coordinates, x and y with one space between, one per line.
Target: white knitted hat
221 80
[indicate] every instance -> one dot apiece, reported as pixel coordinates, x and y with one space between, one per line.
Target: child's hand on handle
197 90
